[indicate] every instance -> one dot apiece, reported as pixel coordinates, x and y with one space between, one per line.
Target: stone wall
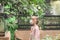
4 38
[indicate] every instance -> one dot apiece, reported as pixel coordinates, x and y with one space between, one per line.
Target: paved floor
24 34
52 33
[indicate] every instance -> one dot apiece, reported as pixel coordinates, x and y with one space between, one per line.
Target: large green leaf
7 6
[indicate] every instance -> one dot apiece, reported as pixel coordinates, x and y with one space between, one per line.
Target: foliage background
25 7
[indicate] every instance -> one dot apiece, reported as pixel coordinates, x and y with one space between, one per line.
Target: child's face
33 20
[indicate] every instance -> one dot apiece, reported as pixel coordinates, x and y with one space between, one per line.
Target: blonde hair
34 17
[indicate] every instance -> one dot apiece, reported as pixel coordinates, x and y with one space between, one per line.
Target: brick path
49 32
24 34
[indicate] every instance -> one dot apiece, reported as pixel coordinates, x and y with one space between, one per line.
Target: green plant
11 24
26 7
57 37
48 38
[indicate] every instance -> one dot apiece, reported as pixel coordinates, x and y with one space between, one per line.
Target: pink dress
35 34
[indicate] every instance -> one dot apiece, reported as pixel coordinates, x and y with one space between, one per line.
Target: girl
35 33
